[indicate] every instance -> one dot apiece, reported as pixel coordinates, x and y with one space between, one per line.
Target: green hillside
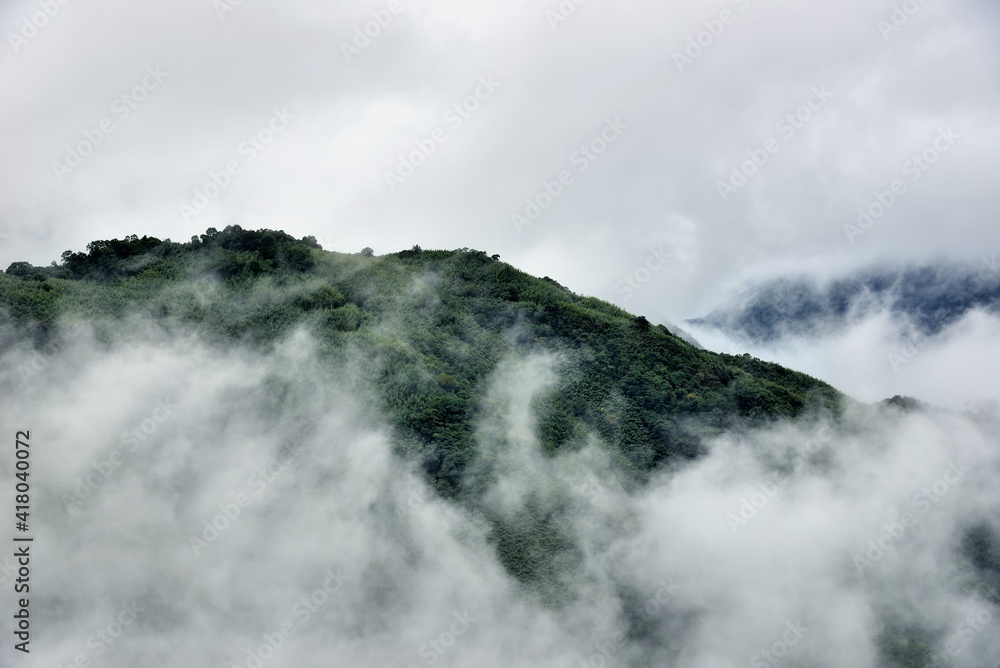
429 328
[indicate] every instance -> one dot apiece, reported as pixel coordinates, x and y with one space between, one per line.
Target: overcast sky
553 83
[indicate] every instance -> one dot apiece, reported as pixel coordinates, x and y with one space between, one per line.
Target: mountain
929 298
429 328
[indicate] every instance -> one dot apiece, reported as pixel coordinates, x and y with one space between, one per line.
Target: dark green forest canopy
429 327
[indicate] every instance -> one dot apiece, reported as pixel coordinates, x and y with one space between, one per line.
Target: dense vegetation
431 325
427 329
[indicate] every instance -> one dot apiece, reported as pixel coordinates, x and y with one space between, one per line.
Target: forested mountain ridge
930 298
429 328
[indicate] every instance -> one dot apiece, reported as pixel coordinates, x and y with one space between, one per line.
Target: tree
210 234
19 268
367 252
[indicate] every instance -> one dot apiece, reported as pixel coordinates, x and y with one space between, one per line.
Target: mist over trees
432 326
433 435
